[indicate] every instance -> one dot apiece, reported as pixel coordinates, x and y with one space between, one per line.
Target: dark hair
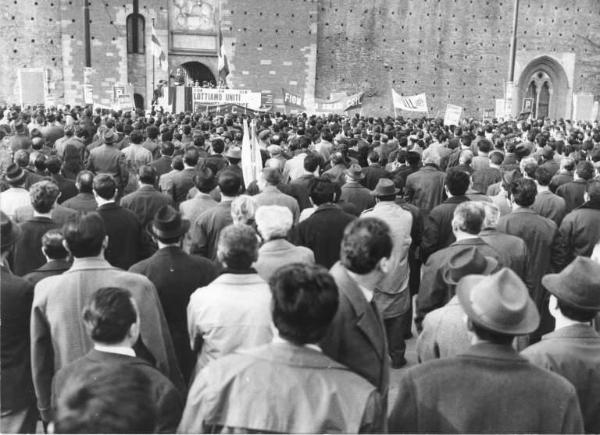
109 315
585 170
322 190
457 181
413 158
272 176
543 176
85 180
523 192
152 132
484 145
84 234
574 313
105 186
204 180
52 245
191 156
312 162
238 246
229 182
147 174
43 195
136 137
177 163
365 242
496 157
53 164
218 145
104 398
530 168
167 148
305 300
492 336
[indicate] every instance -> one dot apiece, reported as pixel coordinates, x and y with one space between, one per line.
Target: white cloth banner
251 158
414 103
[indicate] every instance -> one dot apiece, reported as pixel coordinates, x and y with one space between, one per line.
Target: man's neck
146 185
46 215
461 235
162 245
543 188
562 322
367 281
123 348
225 198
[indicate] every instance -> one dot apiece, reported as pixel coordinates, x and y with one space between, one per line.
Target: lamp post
508 92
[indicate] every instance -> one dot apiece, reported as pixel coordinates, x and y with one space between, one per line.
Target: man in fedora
355 193
573 349
392 295
107 159
175 275
16 195
18 410
444 331
234 157
490 388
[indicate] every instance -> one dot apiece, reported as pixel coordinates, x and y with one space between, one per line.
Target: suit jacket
180 184
176 275
51 268
355 193
559 179
434 292
273 196
487 389
513 251
276 253
67 187
59 214
574 352
28 254
322 232
145 202
16 387
541 237
572 193
168 400
162 165
316 394
579 232
373 174
128 242
356 336
550 206
58 335
444 333
484 178
107 159
425 188
82 202
438 233
231 313
204 233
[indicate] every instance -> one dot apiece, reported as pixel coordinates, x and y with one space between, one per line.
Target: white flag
251 158
158 52
414 103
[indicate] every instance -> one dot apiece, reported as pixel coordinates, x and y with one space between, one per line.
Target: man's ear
66 246
384 264
105 242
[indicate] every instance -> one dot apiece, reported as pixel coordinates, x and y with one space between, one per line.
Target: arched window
135 33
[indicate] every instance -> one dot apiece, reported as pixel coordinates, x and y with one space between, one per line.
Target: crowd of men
147 286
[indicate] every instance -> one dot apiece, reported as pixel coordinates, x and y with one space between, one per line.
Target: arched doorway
544 81
190 73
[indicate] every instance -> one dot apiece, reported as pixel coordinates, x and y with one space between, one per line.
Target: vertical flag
158 52
251 158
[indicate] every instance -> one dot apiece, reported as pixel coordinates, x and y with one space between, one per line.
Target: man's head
237 248
11 232
53 245
15 176
457 182
44 195
492 215
105 187
106 399
230 183
85 182
111 317
271 176
85 235
191 157
218 146
305 300
543 176
593 192
204 180
322 190
147 175
366 246
523 192
311 162
468 218
585 170
136 137
484 145
167 148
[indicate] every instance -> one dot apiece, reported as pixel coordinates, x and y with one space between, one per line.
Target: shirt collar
278 340
121 350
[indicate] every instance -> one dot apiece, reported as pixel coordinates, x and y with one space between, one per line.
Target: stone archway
545 80
192 72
